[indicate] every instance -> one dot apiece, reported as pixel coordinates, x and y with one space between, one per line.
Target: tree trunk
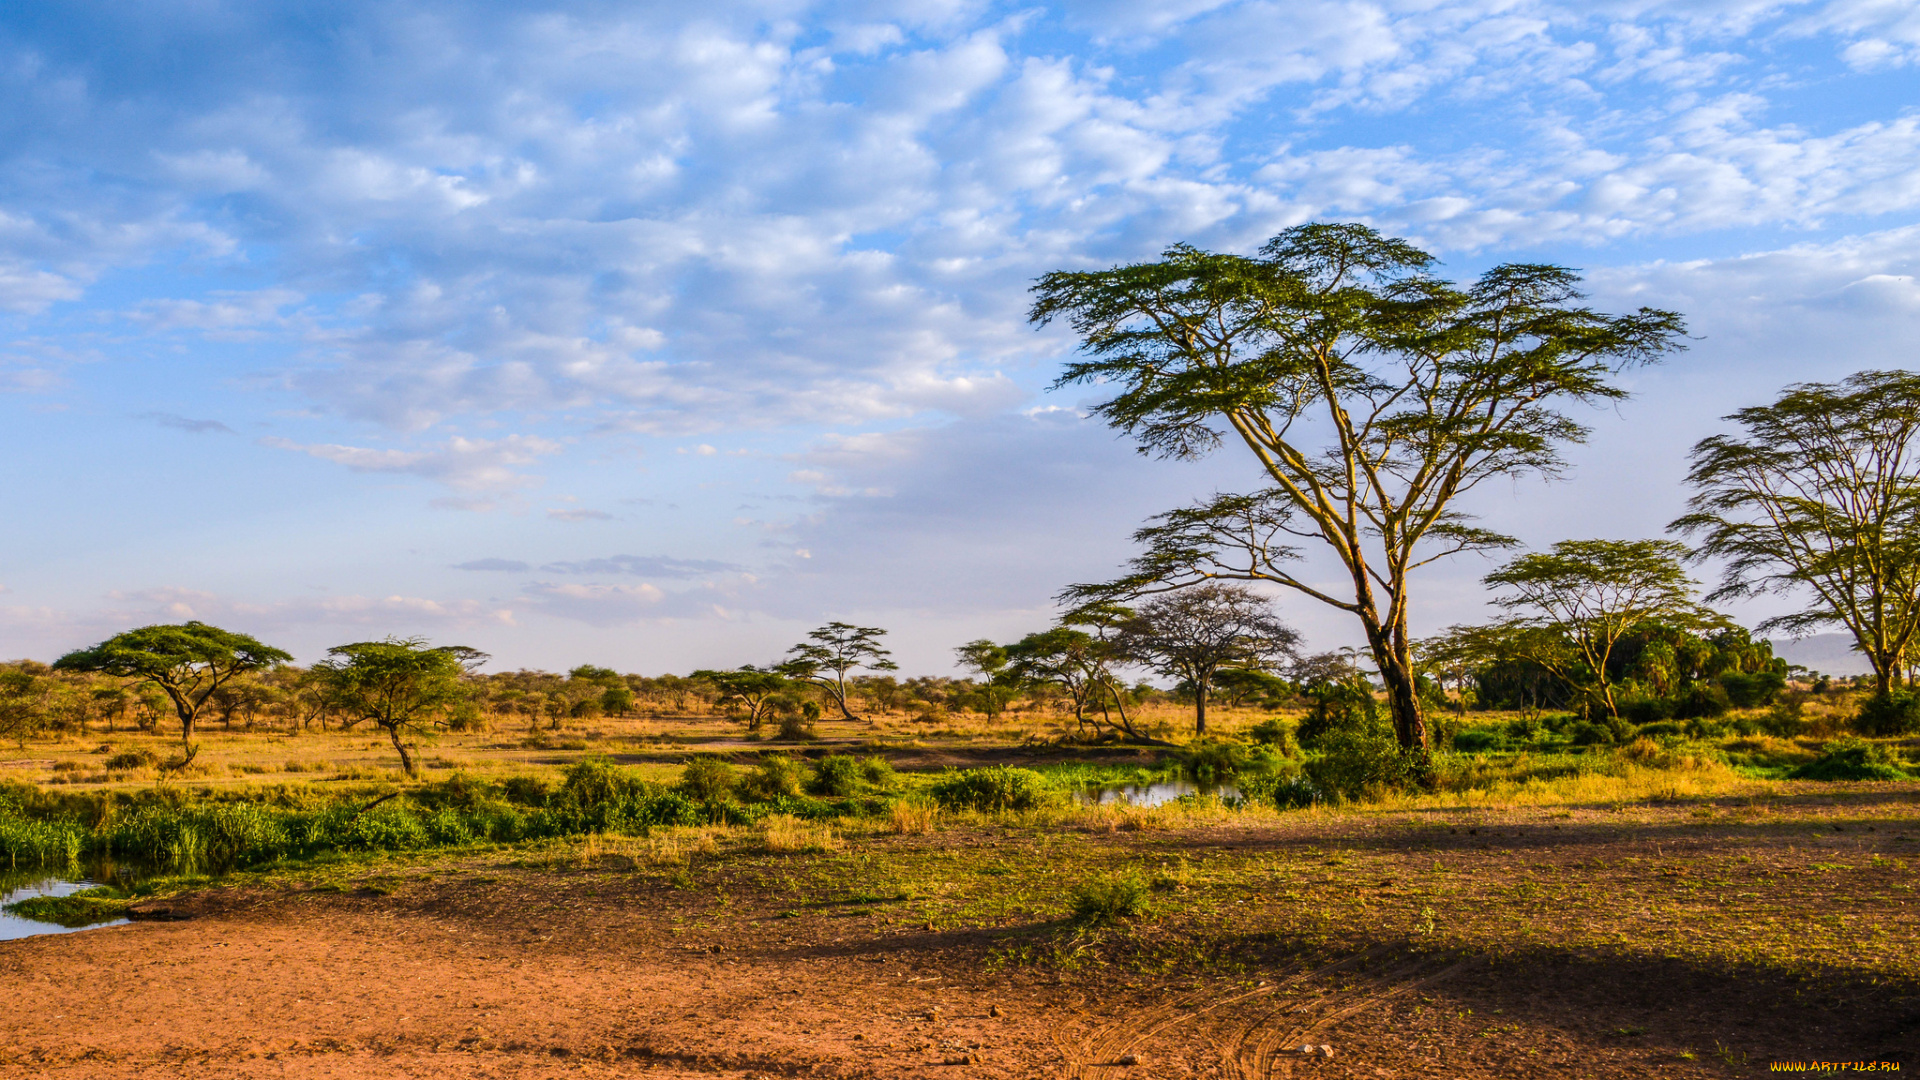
406 759
1199 708
1393 658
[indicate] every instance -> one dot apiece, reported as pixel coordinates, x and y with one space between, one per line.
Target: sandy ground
434 983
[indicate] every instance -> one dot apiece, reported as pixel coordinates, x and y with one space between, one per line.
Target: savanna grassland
659 895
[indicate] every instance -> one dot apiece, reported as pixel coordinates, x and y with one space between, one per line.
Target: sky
653 335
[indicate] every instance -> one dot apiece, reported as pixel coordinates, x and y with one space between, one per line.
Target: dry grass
912 819
785 833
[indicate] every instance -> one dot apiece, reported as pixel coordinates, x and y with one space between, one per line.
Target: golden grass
786 833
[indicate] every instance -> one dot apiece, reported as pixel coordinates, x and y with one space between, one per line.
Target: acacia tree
989 661
1584 596
834 651
1370 393
1821 497
750 687
1193 633
188 662
398 684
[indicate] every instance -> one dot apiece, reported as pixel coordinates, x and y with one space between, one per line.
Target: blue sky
652 335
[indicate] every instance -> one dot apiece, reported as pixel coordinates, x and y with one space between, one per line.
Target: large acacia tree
189 662
1371 394
1820 497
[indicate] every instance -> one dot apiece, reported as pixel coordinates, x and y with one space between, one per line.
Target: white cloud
473 465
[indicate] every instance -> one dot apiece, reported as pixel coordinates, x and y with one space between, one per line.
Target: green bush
1353 763
1851 759
1896 712
1110 899
1209 763
1700 701
997 787
132 759
837 776
1665 728
707 779
1752 690
877 771
1479 741
775 776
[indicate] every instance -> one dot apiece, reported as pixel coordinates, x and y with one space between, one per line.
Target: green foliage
39 843
1851 759
1896 712
707 779
132 759
1110 899
1747 690
775 776
1210 763
997 787
84 908
838 775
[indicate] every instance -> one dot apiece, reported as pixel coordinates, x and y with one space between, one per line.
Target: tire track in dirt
1116 1039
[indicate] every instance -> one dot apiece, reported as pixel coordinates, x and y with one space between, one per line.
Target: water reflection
21 887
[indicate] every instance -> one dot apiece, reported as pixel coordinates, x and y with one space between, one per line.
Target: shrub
837 776
707 779
1209 763
776 776
997 787
877 771
1109 899
1896 712
1784 720
1276 733
1295 793
1354 763
527 790
1665 728
1851 759
1479 741
795 727
1699 701
132 759
1748 691
1645 710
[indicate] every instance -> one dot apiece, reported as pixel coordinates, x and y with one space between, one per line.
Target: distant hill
1830 653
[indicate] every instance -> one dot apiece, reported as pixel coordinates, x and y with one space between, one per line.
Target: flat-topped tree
187 662
750 687
833 652
399 684
1370 394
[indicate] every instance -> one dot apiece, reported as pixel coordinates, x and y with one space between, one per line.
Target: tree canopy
1195 632
833 652
1821 498
188 662
397 684
1371 394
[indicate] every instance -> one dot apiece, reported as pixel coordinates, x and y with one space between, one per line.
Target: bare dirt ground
753 968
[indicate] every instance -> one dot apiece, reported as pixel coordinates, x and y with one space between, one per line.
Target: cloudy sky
654 334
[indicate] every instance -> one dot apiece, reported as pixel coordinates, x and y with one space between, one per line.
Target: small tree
1589 594
750 687
398 684
23 701
833 652
1195 632
1073 660
186 662
997 682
